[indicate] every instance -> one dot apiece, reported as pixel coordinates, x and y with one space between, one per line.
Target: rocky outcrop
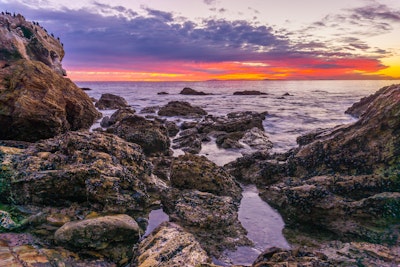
170 245
249 92
110 101
180 108
152 136
190 91
344 180
197 172
21 39
97 170
37 103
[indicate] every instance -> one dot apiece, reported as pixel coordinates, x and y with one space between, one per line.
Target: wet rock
229 140
233 122
212 219
249 92
150 135
257 139
94 169
170 245
346 206
117 116
38 103
162 93
149 110
86 89
190 91
98 233
197 172
180 108
189 140
111 101
276 257
172 128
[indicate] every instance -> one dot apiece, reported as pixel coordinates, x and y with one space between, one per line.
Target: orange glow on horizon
291 69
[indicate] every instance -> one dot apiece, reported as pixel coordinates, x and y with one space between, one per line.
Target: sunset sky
181 40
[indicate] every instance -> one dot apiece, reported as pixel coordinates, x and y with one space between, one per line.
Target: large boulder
152 136
197 172
98 233
94 169
21 39
181 108
110 101
170 245
38 103
212 219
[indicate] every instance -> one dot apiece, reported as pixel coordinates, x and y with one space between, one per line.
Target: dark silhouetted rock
249 92
110 101
180 108
190 91
162 93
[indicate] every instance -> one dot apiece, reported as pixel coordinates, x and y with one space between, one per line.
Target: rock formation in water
190 91
111 101
180 108
36 101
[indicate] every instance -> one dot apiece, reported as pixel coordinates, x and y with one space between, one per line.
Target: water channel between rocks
264 225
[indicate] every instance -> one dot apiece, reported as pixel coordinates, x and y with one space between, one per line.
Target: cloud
369 20
210 2
112 37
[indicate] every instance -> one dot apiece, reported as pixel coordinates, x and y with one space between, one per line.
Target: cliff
21 39
36 101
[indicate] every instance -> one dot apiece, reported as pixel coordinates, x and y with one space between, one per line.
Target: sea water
294 108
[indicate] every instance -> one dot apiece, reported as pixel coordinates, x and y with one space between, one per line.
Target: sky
197 40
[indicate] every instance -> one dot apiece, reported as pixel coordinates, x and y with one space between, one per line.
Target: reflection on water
263 224
156 217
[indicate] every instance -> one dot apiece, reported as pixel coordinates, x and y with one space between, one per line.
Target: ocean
311 104
294 108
